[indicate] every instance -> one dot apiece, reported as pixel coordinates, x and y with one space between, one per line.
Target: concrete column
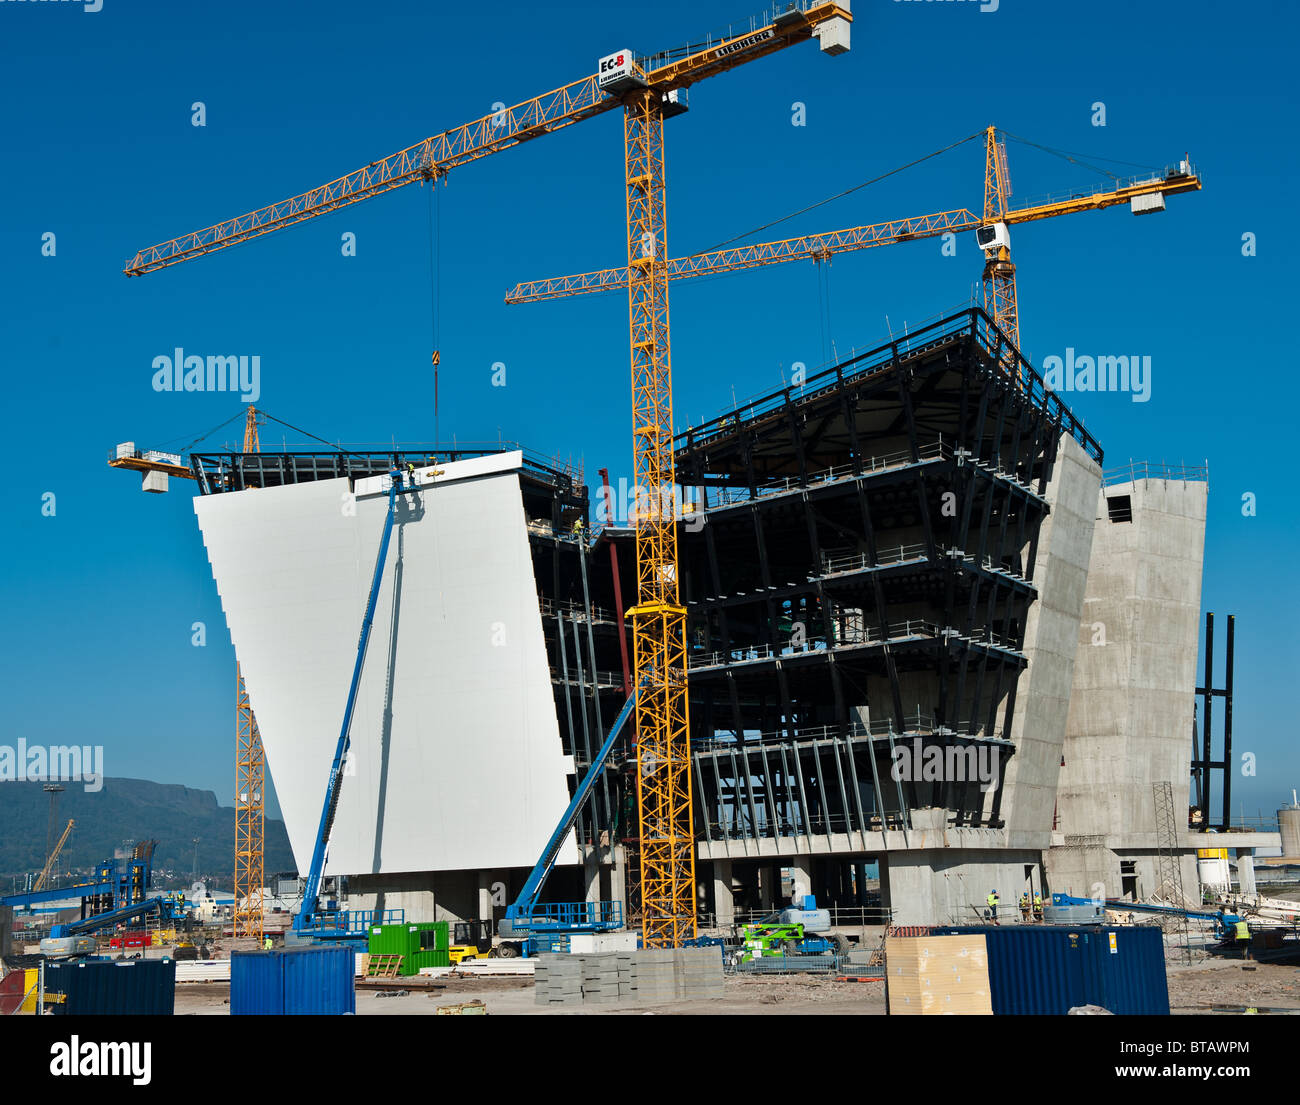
485 881
1246 871
591 874
618 875
801 874
724 901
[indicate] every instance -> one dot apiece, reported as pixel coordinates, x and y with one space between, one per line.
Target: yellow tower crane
1143 194
648 90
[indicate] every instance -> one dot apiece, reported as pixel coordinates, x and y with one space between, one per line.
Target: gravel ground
792 995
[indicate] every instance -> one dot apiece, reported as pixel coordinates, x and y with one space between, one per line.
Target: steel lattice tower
250 777
667 829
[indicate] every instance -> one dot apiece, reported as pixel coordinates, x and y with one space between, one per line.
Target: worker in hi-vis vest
1024 905
1243 936
993 904
1038 904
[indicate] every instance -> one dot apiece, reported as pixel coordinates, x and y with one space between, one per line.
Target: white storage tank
1212 869
1288 823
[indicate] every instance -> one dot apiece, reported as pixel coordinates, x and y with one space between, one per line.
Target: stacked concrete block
558 980
627 982
654 974
599 977
678 974
646 975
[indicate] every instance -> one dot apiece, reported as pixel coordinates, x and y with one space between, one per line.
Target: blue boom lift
528 918
310 925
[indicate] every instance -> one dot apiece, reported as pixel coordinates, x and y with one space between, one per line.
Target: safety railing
911 629
912 725
1136 470
734 496
573 609
577 915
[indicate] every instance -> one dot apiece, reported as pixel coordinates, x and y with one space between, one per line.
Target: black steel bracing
869 543
1203 762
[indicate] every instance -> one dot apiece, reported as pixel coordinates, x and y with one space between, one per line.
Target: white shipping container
126 449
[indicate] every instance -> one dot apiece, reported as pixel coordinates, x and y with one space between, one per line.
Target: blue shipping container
293 981
1048 969
112 987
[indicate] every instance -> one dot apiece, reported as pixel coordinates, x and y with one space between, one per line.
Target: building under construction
894 574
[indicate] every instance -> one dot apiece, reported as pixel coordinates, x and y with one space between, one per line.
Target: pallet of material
938 975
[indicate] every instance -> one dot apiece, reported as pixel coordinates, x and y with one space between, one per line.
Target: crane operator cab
994 236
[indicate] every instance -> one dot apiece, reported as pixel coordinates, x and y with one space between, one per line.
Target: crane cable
1077 158
846 192
435 290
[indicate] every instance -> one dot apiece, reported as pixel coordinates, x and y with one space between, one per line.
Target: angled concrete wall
1051 635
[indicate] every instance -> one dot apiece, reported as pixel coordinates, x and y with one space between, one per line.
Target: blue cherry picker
310 925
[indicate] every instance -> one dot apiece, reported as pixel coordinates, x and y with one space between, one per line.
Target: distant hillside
128 809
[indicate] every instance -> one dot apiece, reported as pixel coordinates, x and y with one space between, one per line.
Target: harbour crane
648 89
44 876
1144 195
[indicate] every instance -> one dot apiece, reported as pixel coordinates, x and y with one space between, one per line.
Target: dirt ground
1192 989
793 996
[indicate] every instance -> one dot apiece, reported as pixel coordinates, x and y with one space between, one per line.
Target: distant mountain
128 809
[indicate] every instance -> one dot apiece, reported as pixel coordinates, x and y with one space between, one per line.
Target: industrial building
925 632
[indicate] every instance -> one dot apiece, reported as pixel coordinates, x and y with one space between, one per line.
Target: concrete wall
927 887
1051 633
1131 707
1130 719
1086 870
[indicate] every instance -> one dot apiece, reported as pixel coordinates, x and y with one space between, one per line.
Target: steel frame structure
938 437
1203 762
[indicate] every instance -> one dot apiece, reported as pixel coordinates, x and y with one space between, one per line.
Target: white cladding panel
456 759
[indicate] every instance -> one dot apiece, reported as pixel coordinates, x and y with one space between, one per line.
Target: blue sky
101 151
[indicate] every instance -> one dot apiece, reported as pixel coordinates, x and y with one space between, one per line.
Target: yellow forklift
471 940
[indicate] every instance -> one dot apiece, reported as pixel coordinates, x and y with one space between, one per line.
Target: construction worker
1024 905
993 900
577 529
1243 937
266 943
1038 905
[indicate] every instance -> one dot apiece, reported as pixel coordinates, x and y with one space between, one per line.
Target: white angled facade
456 762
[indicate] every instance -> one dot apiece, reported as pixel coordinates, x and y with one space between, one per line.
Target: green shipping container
425 944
